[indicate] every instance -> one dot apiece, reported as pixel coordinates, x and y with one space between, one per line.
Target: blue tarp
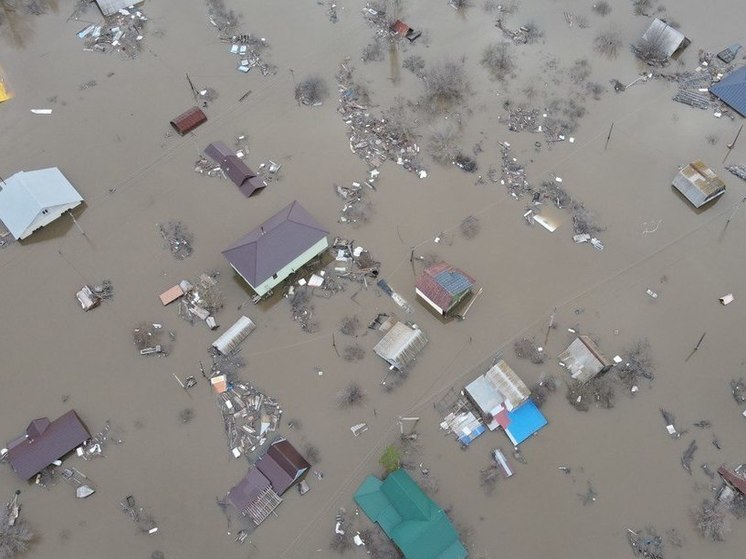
524 422
466 440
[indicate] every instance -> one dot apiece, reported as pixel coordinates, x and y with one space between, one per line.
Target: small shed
403 30
401 345
731 90
669 39
443 287
189 120
698 183
499 388
254 497
234 168
583 360
234 335
283 466
44 442
29 200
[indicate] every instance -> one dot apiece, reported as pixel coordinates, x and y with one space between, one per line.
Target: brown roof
283 465
274 244
443 284
732 478
248 489
189 120
45 442
400 28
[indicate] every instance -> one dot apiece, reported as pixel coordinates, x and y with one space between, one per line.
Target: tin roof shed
669 39
189 120
401 345
698 183
583 359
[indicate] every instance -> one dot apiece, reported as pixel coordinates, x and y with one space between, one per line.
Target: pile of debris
249 416
94 446
200 300
524 35
138 515
738 170
147 339
523 119
513 174
249 50
121 32
694 86
374 139
302 308
90 297
357 208
178 238
353 262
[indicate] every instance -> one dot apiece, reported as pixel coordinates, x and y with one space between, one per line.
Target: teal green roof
419 528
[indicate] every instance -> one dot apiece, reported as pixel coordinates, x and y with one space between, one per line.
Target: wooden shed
189 120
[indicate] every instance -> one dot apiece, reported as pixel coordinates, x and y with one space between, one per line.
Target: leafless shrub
415 64
178 238
470 227
595 89
712 139
14 540
341 543
651 50
608 43
498 60
378 545
646 543
636 364
602 8
442 145
353 394
488 478
712 520
603 391
373 51
349 325
589 497
186 415
311 91
157 555
541 390
312 453
526 348
583 221
738 389
582 21
580 70
579 395
465 162
446 84
353 352
642 7
145 335
460 4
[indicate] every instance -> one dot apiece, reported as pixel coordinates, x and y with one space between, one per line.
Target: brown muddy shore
114 143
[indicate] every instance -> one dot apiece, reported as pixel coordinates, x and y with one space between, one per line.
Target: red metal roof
189 120
734 479
400 28
443 283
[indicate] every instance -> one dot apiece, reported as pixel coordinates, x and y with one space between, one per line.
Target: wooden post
609 136
194 89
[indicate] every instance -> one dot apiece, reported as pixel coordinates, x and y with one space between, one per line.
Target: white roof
401 344
27 193
109 7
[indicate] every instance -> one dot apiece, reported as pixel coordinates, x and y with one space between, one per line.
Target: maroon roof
248 490
283 466
274 244
733 478
234 168
189 120
400 28
443 283
46 442
252 185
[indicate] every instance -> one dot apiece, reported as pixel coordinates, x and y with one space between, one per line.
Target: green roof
419 528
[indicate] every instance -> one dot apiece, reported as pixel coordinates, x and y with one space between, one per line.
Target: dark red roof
248 490
400 28
234 168
45 442
189 120
443 283
733 478
283 466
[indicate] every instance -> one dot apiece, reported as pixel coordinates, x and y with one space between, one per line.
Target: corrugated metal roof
109 7
274 244
189 120
698 183
444 284
508 383
234 335
731 90
670 39
484 394
27 194
583 359
282 465
401 345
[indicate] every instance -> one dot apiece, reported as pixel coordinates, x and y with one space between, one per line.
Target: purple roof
46 442
274 244
282 465
243 495
234 168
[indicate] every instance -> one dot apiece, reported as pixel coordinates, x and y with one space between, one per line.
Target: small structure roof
698 183
443 286
525 421
44 442
189 120
669 39
283 465
733 478
499 386
234 168
274 244
32 199
731 90
583 359
401 345
253 496
418 527
109 7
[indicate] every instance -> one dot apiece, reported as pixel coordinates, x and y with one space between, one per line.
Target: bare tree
442 145
608 43
14 539
446 84
651 50
602 8
186 415
637 363
498 60
470 227
311 91
712 520
353 352
349 325
526 348
312 453
353 394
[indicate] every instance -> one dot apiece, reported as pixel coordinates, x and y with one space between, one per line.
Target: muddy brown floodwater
113 142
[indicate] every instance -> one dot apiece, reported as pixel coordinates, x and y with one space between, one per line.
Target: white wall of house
264 287
429 302
47 216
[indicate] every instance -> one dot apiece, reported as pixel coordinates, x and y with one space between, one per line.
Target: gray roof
45 442
670 39
27 194
401 345
583 359
274 244
731 90
109 7
698 183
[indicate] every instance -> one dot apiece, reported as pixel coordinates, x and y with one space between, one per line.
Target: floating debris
143 520
121 32
178 238
688 456
738 170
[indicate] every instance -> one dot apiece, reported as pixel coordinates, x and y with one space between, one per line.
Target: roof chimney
261 228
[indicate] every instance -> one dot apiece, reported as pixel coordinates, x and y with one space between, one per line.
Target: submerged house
29 200
583 360
401 345
418 527
287 241
502 399
665 38
234 168
698 183
443 287
44 442
731 90
283 466
254 497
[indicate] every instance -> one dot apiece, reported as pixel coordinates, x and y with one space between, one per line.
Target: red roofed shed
189 120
